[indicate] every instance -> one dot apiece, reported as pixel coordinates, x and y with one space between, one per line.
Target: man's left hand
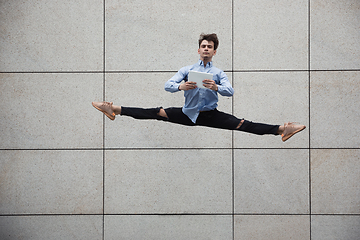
210 84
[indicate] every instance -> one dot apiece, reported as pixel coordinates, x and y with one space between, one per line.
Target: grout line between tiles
309 111
232 132
174 71
164 149
104 97
180 214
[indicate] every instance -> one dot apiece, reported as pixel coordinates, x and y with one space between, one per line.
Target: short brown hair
209 37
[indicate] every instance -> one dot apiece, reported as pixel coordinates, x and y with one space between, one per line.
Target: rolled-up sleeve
225 88
172 85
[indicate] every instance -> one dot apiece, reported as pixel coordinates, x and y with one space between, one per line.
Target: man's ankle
116 109
281 130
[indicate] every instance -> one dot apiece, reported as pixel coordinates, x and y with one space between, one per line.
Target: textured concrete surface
68 172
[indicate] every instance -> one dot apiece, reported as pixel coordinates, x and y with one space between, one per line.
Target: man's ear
199 51
214 52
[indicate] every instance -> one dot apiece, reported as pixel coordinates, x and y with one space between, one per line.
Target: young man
200 103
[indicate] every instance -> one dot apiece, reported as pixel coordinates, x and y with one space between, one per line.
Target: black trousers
213 118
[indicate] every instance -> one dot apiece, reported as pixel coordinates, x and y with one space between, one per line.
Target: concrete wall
67 172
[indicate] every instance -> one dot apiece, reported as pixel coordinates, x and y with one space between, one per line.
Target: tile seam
174 71
103 140
181 214
232 132
309 112
163 149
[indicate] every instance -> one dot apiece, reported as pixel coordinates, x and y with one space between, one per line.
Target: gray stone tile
272 98
334 111
335 227
272 227
335 34
168 181
51 36
160 227
50 111
270 35
335 181
163 35
147 91
271 181
51 227
50 182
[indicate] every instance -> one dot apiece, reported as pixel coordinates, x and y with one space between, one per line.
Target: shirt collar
209 64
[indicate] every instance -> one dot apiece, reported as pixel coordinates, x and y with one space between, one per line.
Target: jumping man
200 108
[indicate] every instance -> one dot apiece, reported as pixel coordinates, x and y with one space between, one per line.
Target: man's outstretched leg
218 119
111 111
287 131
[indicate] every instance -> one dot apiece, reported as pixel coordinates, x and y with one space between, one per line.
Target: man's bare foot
106 108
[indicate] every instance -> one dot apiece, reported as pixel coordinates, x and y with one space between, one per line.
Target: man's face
206 50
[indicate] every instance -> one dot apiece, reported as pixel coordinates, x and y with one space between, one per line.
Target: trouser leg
258 128
174 114
142 113
218 119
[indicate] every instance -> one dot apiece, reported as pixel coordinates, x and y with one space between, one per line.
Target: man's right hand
187 86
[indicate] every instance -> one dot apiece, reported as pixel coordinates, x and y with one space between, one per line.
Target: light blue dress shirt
200 99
